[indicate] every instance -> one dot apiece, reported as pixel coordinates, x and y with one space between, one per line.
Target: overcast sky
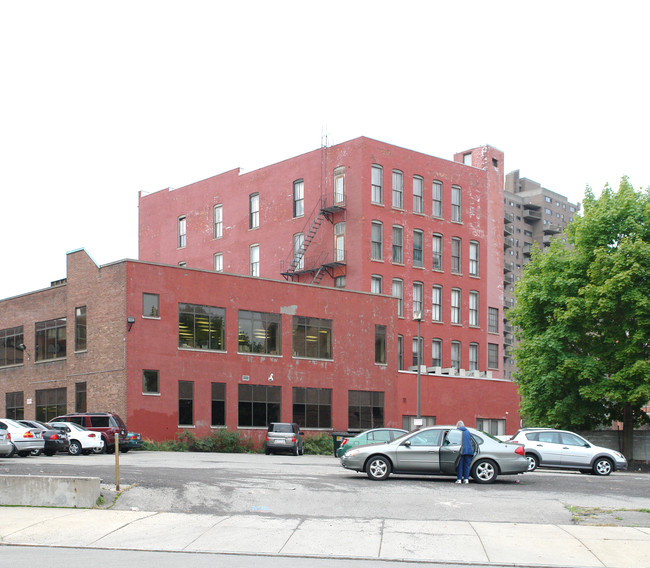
101 100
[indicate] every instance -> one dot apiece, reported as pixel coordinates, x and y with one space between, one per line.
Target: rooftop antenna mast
323 161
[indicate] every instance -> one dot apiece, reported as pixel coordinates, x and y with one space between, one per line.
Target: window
254 260
400 352
339 241
455 354
51 339
50 403
417 350
496 427
150 382
398 292
182 231
455 255
201 327
455 306
375 284
473 356
398 189
380 344
150 307
436 309
365 409
259 332
339 282
185 403
11 352
398 238
258 405
418 243
298 198
417 300
312 337
493 320
376 241
436 353
456 204
254 211
218 404
493 356
418 194
467 159
473 258
377 195
218 222
218 262
548 199
80 397
80 329
437 199
14 405
339 185
473 308
312 408
298 252
408 423
437 252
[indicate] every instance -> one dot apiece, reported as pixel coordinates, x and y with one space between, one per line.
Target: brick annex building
288 293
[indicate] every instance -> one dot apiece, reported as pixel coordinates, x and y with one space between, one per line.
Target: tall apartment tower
533 214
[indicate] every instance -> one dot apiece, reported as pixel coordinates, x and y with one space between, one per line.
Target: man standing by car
466 454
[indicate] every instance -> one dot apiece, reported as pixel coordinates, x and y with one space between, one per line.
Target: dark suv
284 437
106 423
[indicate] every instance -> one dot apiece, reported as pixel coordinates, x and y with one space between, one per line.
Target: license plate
281 442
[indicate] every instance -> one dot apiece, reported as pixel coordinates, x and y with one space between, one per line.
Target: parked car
23 438
7 449
106 423
134 440
55 440
561 449
284 437
374 436
435 451
81 440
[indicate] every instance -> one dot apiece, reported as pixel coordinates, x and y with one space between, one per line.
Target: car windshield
286 428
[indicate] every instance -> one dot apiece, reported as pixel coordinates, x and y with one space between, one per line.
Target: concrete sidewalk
384 539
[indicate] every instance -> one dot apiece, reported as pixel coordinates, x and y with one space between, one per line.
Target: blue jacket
467 447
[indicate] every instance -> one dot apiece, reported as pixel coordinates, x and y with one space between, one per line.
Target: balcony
532 215
552 229
508 266
527 248
508 242
509 278
509 217
508 230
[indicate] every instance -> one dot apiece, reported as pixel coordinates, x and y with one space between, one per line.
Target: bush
320 445
224 441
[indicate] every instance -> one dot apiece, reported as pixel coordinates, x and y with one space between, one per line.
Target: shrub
320 444
224 441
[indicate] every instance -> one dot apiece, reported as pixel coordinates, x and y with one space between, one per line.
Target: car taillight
91 435
54 437
345 441
293 440
8 436
267 438
520 450
28 435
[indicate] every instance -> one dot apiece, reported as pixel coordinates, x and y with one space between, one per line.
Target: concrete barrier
46 491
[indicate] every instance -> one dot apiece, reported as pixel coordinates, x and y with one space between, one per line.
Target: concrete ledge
47 491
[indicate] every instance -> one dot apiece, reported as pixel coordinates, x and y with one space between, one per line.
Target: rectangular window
375 284
50 403
493 356
493 320
298 252
455 255
380 344
418 243
455 306
11 346
258 405
473 356
365 409
186 403
456 214
398 189
80 329
467 159
339 241
339 282
494 426
400 352
436 309
455 354
254 211
436 353
376 241
339 185
218 221
298 198
259 332
150 383
312 337
417 300
14 405
437 199
218 262
398 238
417 350
398 292
182 231
377 195
254 260
436 243
201 327
51 339
80 397
473 308
312 408
418 194
150 308
473 258
218 404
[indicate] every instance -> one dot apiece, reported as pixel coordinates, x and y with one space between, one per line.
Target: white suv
559 449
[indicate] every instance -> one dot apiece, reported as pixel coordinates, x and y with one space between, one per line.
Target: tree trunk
628 433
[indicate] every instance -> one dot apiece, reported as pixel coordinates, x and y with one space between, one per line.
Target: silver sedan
435 451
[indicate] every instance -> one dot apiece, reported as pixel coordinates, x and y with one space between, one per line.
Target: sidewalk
384 539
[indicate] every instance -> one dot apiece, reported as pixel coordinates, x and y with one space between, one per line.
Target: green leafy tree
583 319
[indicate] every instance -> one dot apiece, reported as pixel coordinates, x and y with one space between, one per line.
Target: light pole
417 316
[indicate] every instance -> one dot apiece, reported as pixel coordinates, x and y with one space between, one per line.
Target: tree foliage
583 317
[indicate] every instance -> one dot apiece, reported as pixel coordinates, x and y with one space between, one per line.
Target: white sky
99 100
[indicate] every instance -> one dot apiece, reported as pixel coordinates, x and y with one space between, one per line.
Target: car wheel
603 466
295 451
12 451
484 471
533 462
49 453
378 468
110 449
267 451
36 452
98 450
75 448
23 453
124 450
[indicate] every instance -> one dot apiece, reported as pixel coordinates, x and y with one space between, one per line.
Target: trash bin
337 439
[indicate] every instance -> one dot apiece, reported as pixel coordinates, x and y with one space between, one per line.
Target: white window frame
456 306
218 262
473 356
436 199
398 244
218 221
299 198
436 303
456 350
436 352
377 184
182 231
473 308
436 248
254 256
253 210
456 255
376 284
456 204
418 238
398 189
474 258
298 240
418 306
418 194
398 292
376 245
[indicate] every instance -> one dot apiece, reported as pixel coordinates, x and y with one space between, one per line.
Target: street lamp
417 316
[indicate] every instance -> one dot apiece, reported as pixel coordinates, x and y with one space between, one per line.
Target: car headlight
350 453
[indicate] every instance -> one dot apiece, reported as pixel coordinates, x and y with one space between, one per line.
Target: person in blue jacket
466 454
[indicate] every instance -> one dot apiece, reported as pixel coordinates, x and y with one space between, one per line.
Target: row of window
455 354
50 403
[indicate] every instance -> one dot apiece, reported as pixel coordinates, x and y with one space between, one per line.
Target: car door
450 451
548 445
576 452
420 452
